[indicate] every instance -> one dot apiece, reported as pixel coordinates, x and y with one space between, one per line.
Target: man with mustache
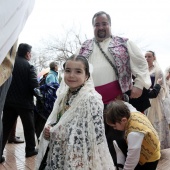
114 60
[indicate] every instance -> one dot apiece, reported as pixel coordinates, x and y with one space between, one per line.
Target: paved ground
164 163
15 156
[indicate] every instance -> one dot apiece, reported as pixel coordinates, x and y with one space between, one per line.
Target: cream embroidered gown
156 112
78 140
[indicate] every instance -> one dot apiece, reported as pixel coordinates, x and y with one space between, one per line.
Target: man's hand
159 81
135 92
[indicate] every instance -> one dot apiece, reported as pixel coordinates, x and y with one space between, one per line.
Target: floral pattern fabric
118 50
77 141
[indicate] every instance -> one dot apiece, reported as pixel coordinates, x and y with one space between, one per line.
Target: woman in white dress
156 112
74 133
166 102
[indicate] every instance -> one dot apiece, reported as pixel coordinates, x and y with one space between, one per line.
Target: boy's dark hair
101 13
52 65
23 48
82 59
115 111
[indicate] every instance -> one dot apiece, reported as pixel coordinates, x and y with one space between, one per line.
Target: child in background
143 146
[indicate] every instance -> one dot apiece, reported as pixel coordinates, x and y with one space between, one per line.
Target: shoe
15 140
119 166
2 159
29 154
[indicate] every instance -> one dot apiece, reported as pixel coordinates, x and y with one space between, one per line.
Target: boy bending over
141 139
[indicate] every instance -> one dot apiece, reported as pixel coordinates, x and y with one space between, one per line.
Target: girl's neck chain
70 93
65 102
75 91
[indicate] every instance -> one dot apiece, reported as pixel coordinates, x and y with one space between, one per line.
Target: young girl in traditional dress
74 133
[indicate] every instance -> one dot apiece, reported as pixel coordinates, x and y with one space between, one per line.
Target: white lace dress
166 102
78 140
156 112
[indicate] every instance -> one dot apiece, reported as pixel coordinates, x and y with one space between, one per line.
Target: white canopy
13 16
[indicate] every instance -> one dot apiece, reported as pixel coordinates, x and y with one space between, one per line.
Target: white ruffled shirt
103 72
134 140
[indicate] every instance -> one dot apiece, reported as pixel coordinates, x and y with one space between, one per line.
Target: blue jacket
49 96
52 77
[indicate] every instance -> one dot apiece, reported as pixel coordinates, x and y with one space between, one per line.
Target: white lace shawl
166 102
78 140
156 113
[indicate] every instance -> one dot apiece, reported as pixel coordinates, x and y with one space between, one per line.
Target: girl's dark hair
101 13
115 111
153 53
23 48
82 59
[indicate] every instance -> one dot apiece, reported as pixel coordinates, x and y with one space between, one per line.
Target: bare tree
59 48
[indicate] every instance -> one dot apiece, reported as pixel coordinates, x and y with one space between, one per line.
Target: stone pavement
15 156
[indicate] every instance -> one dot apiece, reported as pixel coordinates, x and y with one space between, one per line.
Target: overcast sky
143 21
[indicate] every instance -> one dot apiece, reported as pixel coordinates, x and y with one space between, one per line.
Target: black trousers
147 166
10 115
39 123
112 134
3 92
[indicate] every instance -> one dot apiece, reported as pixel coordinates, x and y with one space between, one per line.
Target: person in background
43 79
12 137
114 60
19 99
74 132
156 112
143 102
14 17
143 145
52 76
39 109
44 105
50 87
167 76
166 101
5 81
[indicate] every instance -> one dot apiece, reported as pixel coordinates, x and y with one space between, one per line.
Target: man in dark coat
19 100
